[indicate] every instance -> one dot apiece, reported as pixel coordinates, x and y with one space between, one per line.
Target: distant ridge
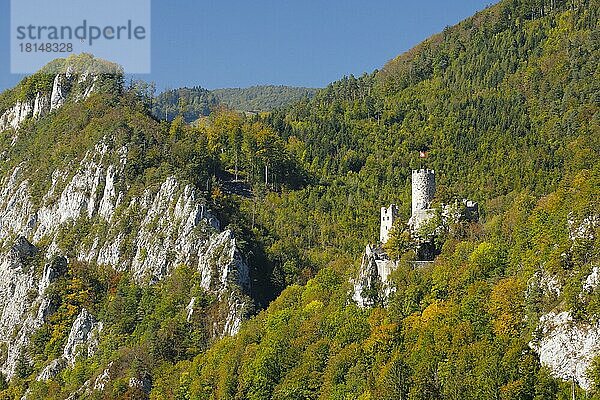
197 102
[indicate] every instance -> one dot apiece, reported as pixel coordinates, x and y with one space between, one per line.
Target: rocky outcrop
190 309
51 370
60 90
592 280
148 235
237 308
221 251
17 213
172 224
78 198
83 337
23 304
584 229
564 344
184 224
143 382
567 347
82 341
88 210
102 379
225 272
545 283
15 285
15 116
43 103
371 285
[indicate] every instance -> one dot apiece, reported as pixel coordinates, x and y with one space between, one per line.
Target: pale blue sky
239 43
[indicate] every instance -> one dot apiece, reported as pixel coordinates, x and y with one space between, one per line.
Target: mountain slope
191 103
507 105
101 211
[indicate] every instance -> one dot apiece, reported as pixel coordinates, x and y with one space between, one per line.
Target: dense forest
191 104
507 104
262 98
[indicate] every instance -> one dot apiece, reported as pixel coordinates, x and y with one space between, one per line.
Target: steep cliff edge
98 206
73 79
371 286
568 340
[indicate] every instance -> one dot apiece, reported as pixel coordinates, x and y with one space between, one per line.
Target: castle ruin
371 286
423 192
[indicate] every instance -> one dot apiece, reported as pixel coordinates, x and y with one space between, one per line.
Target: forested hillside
262 98
507 104
121 252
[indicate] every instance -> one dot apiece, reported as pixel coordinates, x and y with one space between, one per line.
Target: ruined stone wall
388 217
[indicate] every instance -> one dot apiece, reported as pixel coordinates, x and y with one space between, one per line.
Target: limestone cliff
90 211
565 343
65 85
371 286
171 225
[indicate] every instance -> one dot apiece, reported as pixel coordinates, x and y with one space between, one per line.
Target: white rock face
547 283
371 286
567 347
225 273
15 116
171 226
147 234
172 232
592 280
15 284
51 370
59 92
43 104
17 214
84 335
109 197
103 378
585 229
23 306
236 313
190 309
221 251
175 228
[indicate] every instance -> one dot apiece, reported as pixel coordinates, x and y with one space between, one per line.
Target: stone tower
423 189
388 217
